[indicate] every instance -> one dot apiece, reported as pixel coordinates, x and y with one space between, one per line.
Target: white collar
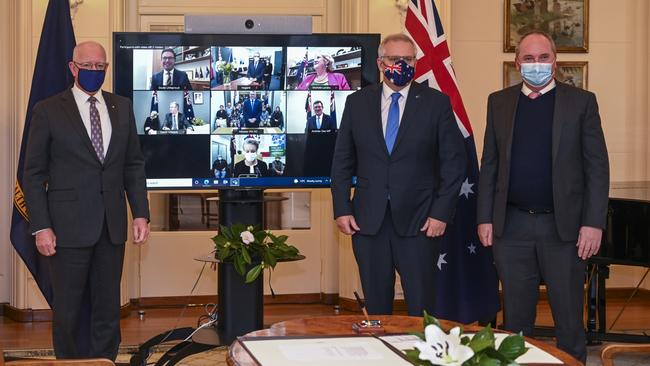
83 96
526 90
387 91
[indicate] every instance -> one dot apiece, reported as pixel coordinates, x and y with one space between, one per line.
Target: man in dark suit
169 77
256 68
83 158
174 120
252 111
543 192
401 141
320 120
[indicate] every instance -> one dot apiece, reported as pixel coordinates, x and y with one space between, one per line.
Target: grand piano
626 241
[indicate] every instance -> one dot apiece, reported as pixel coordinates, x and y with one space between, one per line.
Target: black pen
363 307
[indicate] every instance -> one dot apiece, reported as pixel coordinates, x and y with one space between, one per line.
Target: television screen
230 111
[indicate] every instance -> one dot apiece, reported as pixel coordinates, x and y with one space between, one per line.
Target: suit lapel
375 116
561 101
70 107
112 113
410 109
510 113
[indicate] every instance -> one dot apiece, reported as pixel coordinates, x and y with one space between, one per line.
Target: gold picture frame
567 21
570 72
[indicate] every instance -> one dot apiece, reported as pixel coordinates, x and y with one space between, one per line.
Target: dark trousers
99 269
529 251
378 256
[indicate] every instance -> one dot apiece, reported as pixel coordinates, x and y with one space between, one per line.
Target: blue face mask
399 73
537 74
91 80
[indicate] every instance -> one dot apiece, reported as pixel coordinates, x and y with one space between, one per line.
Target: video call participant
174 120
277 119
219 167
152 124
250 165
256 68
320 120
76 201
277 167
324 77
252 111
170 77
399 210
268 74
220 118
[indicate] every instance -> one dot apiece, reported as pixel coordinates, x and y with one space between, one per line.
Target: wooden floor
15 335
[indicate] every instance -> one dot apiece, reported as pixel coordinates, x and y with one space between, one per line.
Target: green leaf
428 319
464 340
226 232
245 256
488 361
413 357
224 253
513 346
240 266
482 340
237 229
254 273
269 259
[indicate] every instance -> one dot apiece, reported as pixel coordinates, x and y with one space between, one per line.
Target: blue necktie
392 123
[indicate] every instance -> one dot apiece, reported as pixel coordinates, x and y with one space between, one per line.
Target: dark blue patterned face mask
400 73
91 80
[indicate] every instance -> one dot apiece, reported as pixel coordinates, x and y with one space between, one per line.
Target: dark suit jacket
256 73
326 123
182 122
422 175
151 124
261 169
179 80
580 162
253 111
66 186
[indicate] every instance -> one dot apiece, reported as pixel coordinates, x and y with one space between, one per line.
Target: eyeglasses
168 58
91 65
393 59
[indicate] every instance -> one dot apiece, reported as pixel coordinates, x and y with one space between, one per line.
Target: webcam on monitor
245 24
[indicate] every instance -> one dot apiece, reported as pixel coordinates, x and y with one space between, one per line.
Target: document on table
325 351
534 354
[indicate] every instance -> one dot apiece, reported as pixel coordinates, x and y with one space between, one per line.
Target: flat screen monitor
240 111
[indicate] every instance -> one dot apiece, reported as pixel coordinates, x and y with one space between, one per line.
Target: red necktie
534 95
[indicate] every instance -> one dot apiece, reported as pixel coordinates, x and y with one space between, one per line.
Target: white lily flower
443 349
247 237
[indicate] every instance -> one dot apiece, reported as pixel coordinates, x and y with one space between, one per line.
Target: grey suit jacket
67 188
423 174
580 162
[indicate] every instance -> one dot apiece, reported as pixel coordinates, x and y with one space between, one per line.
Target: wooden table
341 325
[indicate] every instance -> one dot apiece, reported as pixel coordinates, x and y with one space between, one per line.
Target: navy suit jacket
326 123
253 111
423 174
179 80
256 73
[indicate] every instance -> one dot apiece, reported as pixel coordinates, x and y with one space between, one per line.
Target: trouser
98 268
529 251
379 255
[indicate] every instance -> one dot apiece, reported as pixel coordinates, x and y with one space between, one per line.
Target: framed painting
569 72
567 21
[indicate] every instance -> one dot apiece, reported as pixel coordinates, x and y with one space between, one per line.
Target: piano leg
592 293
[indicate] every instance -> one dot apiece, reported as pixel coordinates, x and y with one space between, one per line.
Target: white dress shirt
526 90
386 100
81 98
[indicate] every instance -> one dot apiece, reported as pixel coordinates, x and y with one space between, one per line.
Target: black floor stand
241 305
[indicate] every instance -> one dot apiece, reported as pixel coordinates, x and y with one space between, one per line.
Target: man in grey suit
401 141
543 192
82 159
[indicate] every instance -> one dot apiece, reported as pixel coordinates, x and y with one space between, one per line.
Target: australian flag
308 105
332 106
302 67
51 76
467 284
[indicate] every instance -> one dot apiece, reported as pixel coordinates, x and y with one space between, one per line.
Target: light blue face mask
537 73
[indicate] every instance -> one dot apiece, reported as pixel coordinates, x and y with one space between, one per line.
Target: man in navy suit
320 120
169 77
256 68
401 141
252 111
